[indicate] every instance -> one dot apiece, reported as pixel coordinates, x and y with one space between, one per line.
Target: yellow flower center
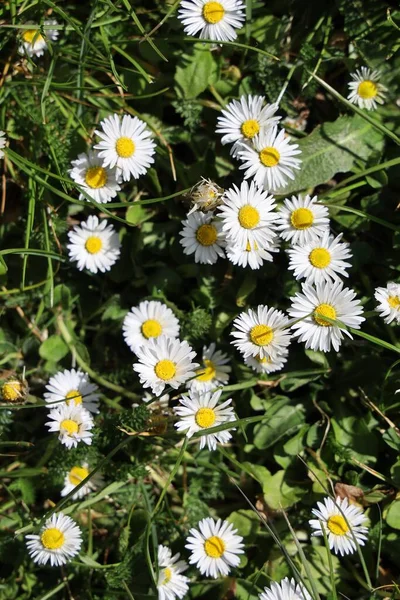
324 310
73 395
249 217
302 218
320 258
261 335
93 244
337 525
269 156
206 235
367 89
151 328
69 426
77 474
96 177
32 34
205 417
124 147
167 575
250 128
165 369
213 12
214 547
11 391
52 538
249 248
394 302
263 361
208 373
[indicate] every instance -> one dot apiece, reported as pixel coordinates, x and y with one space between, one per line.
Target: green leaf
280 493
53 349
285 421
196 73
246 522
393 515
3 266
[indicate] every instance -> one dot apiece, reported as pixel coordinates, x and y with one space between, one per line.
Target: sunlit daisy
270 161
60 539
302 220
243 119
171 583
266 364
314 304
253 255
75 476
215 546
322 259
201 236
33 43
72 423
261 332
213 20
94 245
125 143
213 372
365 89
74 388
149 320
287 589
3 142
388 299
342 522
200 411
165 362
98 182
205 196
248 215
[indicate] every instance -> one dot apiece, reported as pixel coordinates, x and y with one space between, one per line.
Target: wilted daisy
248 215
299 123
215 546
317 304
98 182
74 388
60 539
365 89
171 583
199 411
266 364
243 119
302 220
388 299
3 142
213 372
287 589
32 41
149 320
75 476
14 389
160 405
126 144
213 20
270 161
165 362
205 196
201 236
261 332
342 522
94 245
72 423
322 259
253 255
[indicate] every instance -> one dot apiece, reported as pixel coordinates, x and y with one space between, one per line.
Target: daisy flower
205 196
388 299
126 144
287 589
14 390
199 412
270 161
214 20
214 371
302 220
312 307
94 245
165 362
98 182
3 142
171 583
243 119
342 523
74 388
266 364
248 216
321 260
365 89
215 546
261 332
73 424
201 236
60 539
147 321
32 41
75 476
253 255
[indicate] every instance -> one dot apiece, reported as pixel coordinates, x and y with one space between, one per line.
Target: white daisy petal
266 364
32 41
75 476
212 20
202 236
3 142
149 320
261 333
365 89
287 589
171 583
60 539
94 245
213 372
388 299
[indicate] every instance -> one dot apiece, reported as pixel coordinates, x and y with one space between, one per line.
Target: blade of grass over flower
329 555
